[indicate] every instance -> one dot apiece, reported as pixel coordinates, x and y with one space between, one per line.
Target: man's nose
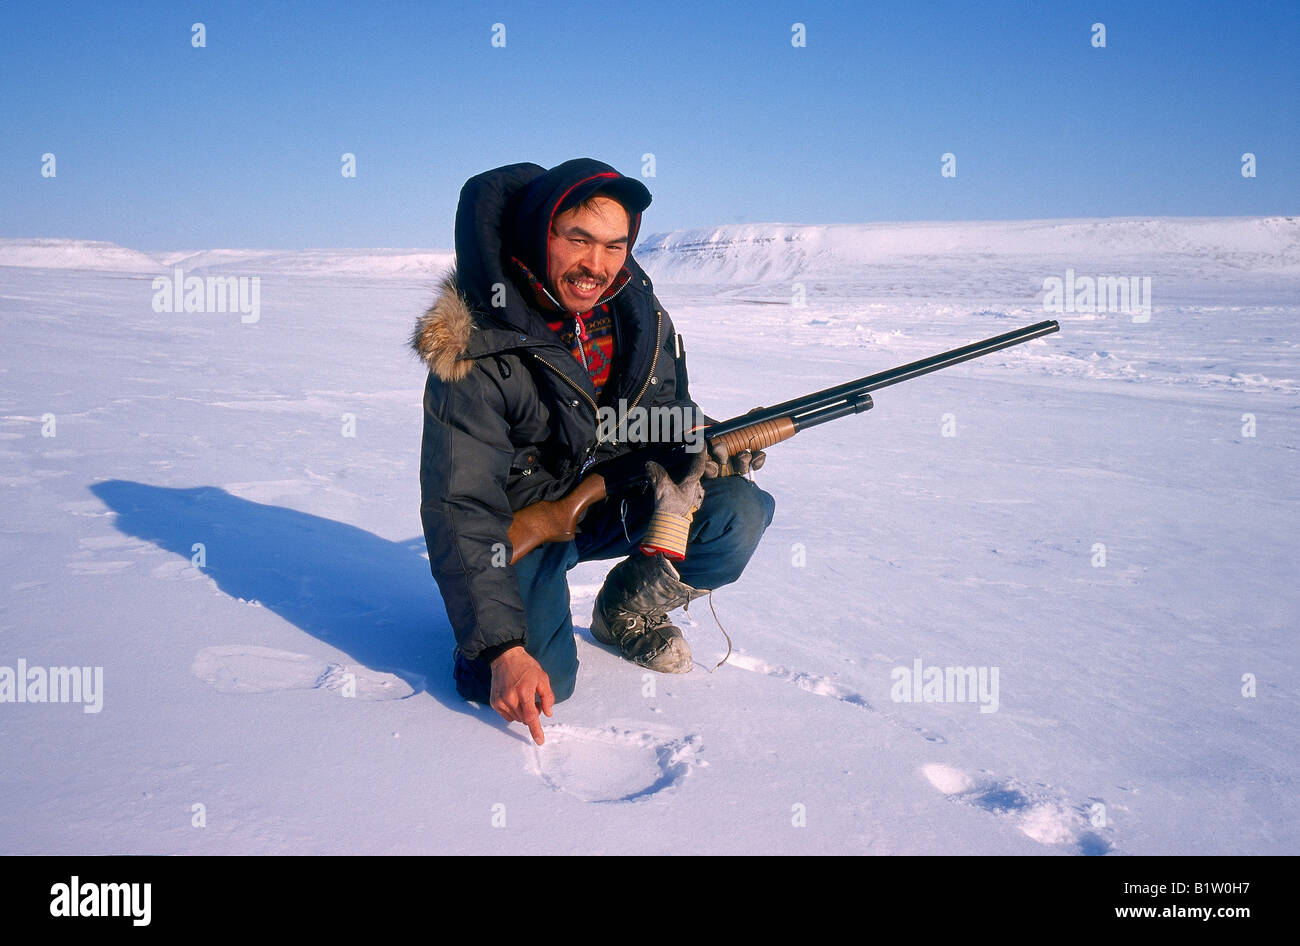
591 259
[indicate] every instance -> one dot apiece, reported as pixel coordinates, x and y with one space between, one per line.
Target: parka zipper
654 362
582 343
568 381
659 324
590 453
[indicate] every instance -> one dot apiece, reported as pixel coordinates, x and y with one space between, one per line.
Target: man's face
587 248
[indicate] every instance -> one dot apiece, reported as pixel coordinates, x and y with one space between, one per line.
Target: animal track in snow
240 668
821 686
179 569
1038 811
90 509
616 764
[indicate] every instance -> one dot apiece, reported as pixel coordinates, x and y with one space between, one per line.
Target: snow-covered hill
751 252
218 519
381 262
98 256
74 254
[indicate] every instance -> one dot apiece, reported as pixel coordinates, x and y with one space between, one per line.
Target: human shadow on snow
371 598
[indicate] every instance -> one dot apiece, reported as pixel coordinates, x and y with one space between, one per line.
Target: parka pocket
525 462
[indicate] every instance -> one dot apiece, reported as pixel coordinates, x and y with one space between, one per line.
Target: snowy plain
1106 517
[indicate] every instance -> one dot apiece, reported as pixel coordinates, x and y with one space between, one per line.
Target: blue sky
160 145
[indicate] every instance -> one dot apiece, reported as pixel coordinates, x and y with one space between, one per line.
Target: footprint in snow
823 686
239 668
1038 811
615 764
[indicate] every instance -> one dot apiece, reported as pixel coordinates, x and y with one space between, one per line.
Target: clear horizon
644 236
162 146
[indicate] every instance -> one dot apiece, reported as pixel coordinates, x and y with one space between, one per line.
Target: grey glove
675 505
720 464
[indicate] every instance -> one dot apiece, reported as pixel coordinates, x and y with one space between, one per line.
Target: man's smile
583 285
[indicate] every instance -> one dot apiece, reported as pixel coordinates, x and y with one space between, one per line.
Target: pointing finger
533 721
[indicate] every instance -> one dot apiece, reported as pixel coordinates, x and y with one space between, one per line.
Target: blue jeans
723 536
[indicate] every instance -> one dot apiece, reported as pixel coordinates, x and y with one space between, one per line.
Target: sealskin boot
632 608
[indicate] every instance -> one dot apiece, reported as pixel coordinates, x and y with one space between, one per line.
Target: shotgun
557 520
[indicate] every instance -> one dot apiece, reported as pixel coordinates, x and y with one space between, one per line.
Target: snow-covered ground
1104 522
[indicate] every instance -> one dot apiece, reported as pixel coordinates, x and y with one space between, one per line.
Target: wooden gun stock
553 520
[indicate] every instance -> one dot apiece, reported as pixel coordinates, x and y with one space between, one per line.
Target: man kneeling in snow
546 319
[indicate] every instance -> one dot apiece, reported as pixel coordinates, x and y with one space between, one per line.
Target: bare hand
518 682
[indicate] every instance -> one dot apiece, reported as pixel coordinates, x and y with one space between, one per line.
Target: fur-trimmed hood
442 333
449 336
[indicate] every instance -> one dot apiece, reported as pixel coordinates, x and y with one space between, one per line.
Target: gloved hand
675 505
720 464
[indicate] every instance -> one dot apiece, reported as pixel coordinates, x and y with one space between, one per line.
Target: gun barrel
828 404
